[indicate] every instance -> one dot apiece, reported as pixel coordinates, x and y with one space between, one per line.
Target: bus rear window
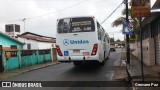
74 25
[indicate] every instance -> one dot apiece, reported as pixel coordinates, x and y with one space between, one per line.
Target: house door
156 29
1 62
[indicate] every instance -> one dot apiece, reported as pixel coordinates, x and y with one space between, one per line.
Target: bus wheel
102 63
108 56
104 57
77 63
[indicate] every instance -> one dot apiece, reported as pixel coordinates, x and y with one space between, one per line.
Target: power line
113 11
59 10
48 13
53 12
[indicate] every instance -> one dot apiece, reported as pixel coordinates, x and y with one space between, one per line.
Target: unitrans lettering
79 41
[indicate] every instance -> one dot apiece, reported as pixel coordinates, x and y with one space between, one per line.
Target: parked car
112 49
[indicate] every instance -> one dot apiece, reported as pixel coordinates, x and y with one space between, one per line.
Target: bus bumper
77 58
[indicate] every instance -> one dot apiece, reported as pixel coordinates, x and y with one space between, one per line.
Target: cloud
46 25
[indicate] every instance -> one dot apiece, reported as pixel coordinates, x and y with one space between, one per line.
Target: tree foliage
119 21
111 39
118 40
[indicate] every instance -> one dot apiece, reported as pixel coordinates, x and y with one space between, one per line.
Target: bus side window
99 31
108 39
104 39
102 34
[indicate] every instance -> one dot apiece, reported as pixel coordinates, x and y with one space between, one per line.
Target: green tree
111 39
119 21
118 40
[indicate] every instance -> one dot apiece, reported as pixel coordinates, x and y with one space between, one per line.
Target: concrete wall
22 58
36 44
45 45
148 51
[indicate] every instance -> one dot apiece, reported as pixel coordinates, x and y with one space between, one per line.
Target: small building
12 29
8 43
35 41
117 44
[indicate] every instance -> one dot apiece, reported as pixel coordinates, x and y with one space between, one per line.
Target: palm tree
119 21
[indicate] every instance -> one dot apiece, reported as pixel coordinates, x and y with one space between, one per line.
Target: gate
1 61
54 54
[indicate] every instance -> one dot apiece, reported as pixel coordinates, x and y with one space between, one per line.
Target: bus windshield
74 25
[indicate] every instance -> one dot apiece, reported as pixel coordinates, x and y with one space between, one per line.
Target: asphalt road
68 72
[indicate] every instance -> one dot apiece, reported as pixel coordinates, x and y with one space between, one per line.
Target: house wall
6 42
36 44
148 51
45 45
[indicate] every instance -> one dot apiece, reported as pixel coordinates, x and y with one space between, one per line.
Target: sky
41 15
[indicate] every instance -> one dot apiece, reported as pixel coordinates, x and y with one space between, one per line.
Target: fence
13 59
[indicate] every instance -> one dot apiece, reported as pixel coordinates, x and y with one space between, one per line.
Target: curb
127 70
36 68
32 69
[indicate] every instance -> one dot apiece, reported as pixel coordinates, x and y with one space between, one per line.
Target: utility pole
127 36
127 43
24 23
24 28
141 33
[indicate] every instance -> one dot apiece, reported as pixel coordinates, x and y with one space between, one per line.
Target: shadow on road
86 67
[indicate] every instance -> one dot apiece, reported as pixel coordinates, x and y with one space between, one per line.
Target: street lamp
24 23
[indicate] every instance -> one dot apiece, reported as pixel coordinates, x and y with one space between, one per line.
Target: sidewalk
151 73
7 74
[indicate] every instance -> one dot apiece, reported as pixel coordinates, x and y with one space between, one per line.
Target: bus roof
75 17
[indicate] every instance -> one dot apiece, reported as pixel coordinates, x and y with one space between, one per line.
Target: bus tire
104 57
108 56
102 63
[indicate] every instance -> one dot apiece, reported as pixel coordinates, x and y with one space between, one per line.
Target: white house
35 41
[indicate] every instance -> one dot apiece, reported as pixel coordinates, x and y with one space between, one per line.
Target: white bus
81 39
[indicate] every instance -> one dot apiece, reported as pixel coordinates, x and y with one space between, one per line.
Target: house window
13 46
28 46
53 45
9 28
17 28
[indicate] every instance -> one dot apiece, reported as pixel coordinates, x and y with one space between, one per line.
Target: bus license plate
76 51
86 54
